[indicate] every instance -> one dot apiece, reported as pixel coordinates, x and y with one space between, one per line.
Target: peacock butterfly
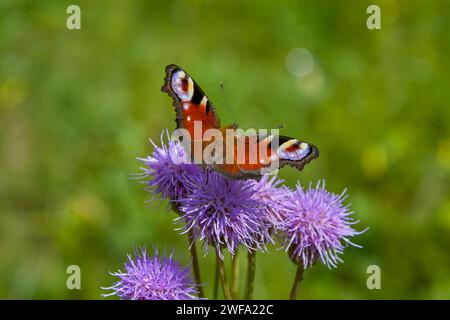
228 150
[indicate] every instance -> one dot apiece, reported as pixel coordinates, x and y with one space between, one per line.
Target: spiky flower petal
153 278
167 169
317 226
273 196
224 213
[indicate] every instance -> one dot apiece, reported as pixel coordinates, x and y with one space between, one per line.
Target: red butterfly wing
191 103
275 152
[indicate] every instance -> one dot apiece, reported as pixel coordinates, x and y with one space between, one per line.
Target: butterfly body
236 154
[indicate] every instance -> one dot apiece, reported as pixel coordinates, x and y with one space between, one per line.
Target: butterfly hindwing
295 153
284 150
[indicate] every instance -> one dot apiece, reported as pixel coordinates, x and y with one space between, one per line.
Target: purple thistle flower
153 278
167 169
224 213
317 226
273 197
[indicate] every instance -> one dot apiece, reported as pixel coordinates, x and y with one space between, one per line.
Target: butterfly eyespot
293 150
182 85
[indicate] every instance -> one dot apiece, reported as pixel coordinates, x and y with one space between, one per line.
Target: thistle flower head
273 197
167 169
224 213
153 278
317 226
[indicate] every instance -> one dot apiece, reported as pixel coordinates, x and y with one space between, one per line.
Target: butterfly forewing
191 103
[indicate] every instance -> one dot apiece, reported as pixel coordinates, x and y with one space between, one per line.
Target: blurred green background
77 108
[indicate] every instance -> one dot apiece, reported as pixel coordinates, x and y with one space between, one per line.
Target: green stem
234 274
195 265
251 265
223 277
297 281
216 283
193 250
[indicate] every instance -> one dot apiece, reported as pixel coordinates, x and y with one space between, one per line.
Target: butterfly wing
190 102
269 153
295 153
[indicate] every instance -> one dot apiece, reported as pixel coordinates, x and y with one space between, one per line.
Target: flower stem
223 277
234 274
297 281
216 283
195 266
251 259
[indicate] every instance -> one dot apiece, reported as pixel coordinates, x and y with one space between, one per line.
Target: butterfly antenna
230 112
